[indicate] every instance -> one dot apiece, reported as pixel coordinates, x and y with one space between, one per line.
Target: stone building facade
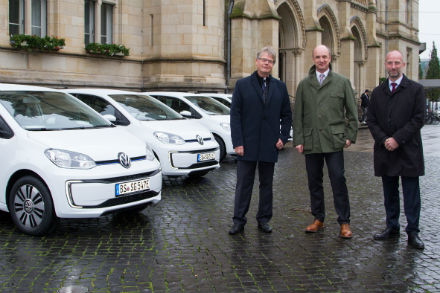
204 45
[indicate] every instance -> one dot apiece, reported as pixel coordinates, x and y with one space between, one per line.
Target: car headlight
150 154
168 138
69 159
226 126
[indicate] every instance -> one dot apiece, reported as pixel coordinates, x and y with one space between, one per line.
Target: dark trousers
411 201
335 167
243 190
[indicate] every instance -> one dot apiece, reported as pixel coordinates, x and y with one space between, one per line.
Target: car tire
31 207
222 147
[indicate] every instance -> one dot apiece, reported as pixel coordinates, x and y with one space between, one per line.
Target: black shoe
387 233
266 228
414 241
236 228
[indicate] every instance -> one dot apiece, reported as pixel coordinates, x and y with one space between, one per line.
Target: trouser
411 201
335 167
364 114
243 190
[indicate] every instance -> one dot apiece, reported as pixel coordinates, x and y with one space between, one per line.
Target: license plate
205 157
133 186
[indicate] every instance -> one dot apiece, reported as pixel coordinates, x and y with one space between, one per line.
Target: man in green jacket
325 122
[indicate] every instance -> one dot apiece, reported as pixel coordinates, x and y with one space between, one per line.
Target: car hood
187 129
99 144
220 118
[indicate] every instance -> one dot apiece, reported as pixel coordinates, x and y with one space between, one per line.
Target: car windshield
146 108
209 105
46 110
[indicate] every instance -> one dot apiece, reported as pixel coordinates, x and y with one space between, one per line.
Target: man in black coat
395 117
261 119
365 102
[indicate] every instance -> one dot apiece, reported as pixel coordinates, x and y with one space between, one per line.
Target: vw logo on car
124 160
199 139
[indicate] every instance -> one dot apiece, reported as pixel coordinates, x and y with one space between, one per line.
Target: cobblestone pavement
182 244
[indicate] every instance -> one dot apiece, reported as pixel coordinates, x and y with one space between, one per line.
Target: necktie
321 78
393 85
264 87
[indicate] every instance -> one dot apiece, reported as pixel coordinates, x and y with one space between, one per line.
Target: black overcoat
257 125
399 115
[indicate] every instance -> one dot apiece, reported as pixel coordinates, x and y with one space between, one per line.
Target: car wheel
222 147
31 207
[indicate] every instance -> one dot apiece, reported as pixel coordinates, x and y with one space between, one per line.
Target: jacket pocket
338 137
308 139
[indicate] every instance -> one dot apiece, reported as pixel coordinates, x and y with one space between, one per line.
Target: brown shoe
313 228
345 231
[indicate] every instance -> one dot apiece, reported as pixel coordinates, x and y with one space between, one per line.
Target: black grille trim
124 199
107 162
195 140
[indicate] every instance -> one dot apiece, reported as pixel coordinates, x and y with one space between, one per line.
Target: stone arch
360 52
330 29
357 25
292 41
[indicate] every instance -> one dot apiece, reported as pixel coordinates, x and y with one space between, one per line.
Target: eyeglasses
264 60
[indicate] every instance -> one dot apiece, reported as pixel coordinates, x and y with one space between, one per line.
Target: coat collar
314 80
386 89
257 87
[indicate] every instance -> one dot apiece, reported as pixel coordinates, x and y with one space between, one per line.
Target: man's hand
391 144
279 144
300 148
239 151
347 143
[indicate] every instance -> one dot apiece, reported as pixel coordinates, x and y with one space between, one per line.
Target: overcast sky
429 25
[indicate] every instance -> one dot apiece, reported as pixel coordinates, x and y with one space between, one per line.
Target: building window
39 17
16 17
408 17
106 23
89 21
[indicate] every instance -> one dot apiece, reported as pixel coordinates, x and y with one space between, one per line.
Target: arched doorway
288 41
358 60
326 36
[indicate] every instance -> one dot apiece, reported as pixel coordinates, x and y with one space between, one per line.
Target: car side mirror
110 118
186 113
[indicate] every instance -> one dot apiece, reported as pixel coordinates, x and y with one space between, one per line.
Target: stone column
27 17
98 21
313 34
373 65
255 24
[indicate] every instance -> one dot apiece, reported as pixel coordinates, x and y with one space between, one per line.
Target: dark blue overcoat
257 125
398 115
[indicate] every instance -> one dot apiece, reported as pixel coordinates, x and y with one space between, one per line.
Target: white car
183 146
209 112
62 159
225 99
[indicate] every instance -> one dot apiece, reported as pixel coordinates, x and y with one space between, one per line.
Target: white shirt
325 74
397 82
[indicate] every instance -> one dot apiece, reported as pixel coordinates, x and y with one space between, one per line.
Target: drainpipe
228 45
386 26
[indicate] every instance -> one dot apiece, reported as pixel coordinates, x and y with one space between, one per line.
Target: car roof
23 87
173 94
102 91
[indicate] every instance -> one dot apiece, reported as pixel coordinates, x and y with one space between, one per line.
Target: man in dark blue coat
395 117
261 119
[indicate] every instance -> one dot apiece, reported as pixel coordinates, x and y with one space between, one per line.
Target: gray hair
268 50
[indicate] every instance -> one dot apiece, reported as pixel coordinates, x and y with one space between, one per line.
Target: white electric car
183 146
62 159
225 99
209 112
